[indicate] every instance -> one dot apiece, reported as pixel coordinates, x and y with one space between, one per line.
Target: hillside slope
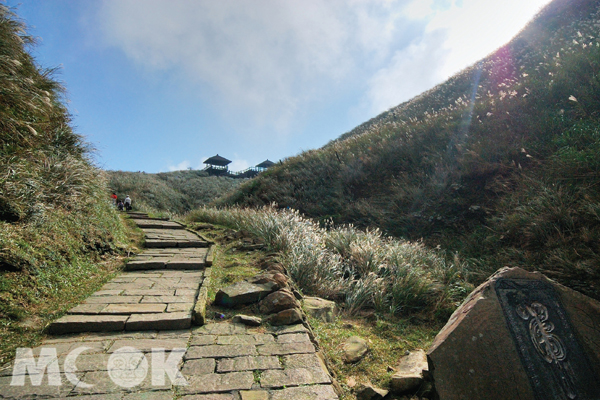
175 192
500 163
58 232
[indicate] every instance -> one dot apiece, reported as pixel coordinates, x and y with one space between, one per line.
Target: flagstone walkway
158 290
134 341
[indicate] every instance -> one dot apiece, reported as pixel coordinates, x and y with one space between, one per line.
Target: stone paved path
219 361
169 360
158 290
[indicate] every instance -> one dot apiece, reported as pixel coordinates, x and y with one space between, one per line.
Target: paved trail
134 339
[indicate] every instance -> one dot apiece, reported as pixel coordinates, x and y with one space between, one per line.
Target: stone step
145 216
174 243
169 263
172 238
147 300
157 224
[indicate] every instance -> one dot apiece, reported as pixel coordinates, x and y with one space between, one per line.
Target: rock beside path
519 335
247 320
355 348
286 317
368 392
410 372
278 301
319 308
242 293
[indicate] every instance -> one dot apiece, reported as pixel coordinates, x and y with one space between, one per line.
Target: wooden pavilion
217 165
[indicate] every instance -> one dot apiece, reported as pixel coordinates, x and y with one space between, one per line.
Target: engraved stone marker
519 336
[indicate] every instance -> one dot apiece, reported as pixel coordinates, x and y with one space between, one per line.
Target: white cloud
239 165
475 28
267 59
410 72
270 59
185 164
457 34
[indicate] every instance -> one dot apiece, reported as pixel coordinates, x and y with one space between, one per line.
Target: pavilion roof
266 164
217 160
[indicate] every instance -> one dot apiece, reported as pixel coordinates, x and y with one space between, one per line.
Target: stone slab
168 299
149 292
146 345
88 323
276 349
199 313
107 293
313 392
149 308
200 366
255 339
190 264
293 377
215 383
214 396
248 363
113 299
145 264
87 309
203 340
162 321
221 351
180 307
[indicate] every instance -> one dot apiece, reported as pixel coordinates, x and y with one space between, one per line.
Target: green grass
170 193
388 338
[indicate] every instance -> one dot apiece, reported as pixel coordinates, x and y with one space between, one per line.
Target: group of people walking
121 204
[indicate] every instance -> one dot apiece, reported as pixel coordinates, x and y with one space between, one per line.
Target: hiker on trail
114 198
127 203
120 205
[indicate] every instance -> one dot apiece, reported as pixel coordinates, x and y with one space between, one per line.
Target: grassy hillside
500 163
58 234
175 192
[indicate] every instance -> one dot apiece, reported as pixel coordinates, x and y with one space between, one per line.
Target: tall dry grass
361 269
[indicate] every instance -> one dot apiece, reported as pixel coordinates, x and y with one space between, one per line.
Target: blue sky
159 85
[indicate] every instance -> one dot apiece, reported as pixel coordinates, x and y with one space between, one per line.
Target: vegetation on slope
361 270
500 163
175 192
58 232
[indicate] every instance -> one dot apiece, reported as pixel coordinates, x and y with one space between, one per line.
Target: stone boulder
278 301
242 293
286 317
519 335
320 308
278 280
355 348
246 320
274 268
410 372
368 392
